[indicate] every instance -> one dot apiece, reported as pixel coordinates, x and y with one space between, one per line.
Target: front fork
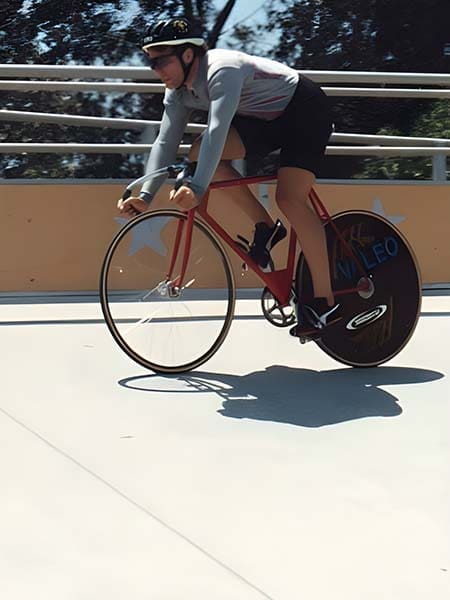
175 285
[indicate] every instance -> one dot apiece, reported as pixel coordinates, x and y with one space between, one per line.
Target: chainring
277 315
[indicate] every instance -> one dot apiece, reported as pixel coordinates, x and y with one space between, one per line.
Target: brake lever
179 171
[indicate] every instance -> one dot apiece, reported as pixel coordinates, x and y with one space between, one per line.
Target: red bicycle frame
278 282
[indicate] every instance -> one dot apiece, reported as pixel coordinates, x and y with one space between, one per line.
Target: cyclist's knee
285 202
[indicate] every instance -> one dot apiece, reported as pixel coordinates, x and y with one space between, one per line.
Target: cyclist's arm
165 147
224 92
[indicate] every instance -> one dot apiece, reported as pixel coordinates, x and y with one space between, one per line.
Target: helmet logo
180 26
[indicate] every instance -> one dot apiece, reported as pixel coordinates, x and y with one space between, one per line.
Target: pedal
304 338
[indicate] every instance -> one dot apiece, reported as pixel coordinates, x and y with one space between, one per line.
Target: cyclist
255 106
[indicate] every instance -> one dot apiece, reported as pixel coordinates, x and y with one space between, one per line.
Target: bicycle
159 265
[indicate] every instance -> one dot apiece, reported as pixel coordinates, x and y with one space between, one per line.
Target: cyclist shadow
304 397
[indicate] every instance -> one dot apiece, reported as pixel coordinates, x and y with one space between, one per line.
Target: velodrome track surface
271 472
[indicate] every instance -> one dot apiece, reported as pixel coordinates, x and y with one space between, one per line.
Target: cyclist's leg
292 196
305 131
240 196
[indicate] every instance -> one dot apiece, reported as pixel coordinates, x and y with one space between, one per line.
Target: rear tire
378 324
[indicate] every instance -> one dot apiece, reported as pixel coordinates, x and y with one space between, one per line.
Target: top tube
242 181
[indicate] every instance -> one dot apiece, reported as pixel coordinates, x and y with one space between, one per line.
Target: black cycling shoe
264 240
315 317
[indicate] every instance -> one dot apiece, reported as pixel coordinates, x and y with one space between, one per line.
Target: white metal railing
63 119
381 145
77 86
145 73
75 120
387 93
69 148
155 88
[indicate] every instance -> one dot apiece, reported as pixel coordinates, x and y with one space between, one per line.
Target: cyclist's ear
188 56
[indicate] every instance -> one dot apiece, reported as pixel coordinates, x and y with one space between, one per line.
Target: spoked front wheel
162 323
377 322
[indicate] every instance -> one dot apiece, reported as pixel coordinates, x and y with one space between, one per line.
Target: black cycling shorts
301 132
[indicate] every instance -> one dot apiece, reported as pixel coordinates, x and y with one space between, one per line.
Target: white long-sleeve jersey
227 83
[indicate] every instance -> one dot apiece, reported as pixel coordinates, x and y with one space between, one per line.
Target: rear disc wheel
379 321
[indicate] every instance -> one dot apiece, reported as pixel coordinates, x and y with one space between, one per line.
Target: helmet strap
186 67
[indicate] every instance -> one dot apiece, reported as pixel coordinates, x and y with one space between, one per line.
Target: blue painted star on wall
379 210
147 233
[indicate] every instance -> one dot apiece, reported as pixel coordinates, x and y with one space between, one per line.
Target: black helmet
172 32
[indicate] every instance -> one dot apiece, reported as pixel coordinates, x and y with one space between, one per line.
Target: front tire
161 326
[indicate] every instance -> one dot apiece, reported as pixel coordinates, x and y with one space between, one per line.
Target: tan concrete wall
54 236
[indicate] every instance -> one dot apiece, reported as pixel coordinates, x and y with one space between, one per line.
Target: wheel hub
166 289
369 289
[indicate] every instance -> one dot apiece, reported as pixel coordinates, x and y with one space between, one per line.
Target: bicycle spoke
175 325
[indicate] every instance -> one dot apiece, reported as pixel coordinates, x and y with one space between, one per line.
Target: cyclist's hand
132 207
184 197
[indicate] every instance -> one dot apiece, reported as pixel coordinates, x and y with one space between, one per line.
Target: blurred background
349 35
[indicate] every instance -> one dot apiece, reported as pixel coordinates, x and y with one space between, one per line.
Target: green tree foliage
370 35
84 32
434 122
390 35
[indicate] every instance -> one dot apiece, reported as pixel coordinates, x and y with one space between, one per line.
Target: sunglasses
159 62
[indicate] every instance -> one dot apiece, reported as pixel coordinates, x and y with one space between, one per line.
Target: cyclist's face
167 66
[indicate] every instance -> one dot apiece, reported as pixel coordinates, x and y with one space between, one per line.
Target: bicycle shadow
301 397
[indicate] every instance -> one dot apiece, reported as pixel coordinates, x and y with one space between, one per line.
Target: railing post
439 167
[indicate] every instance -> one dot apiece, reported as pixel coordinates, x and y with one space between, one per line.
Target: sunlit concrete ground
271 472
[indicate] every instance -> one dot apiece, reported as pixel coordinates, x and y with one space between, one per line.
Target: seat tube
291 253
324 216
